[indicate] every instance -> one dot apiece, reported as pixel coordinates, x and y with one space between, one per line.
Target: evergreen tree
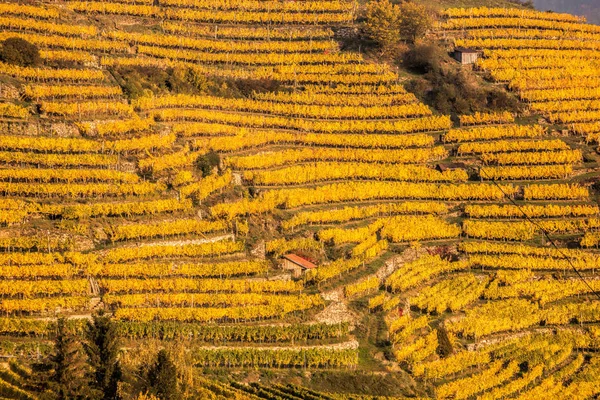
162 378
102 348
68 374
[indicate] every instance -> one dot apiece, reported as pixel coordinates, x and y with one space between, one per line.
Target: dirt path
76 316
188 242
350 344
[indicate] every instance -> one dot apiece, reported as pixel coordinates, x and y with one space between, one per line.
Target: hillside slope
165 156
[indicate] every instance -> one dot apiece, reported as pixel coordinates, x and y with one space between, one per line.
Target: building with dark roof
465 55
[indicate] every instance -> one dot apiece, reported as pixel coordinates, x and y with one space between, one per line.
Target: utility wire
546 235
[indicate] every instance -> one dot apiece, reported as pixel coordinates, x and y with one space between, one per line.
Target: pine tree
69 372
102 348
162 378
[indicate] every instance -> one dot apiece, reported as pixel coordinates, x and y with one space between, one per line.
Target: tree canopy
382 22
415 21
19 52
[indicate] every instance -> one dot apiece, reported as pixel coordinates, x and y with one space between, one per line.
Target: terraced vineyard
435 229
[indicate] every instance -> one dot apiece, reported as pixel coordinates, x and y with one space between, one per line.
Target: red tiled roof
300 261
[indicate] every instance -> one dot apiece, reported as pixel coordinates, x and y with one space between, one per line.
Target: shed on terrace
450 166
466 56
296 264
